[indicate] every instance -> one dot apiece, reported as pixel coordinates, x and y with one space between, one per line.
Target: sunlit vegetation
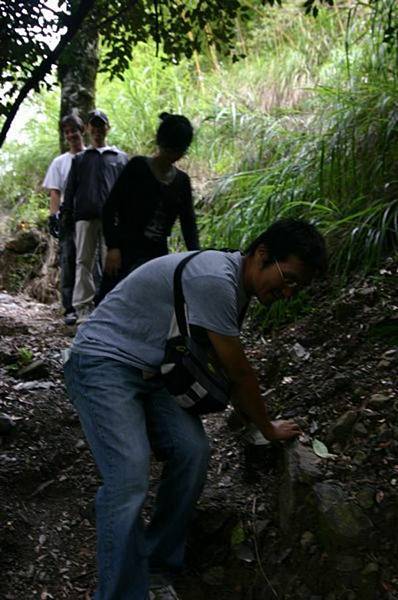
306 125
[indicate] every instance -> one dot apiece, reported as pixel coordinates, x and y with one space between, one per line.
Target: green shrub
23 163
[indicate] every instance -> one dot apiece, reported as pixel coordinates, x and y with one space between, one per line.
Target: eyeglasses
292 285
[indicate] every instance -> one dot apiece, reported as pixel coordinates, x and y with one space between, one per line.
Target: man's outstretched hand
282 430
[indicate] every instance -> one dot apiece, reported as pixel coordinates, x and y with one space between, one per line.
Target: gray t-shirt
133 322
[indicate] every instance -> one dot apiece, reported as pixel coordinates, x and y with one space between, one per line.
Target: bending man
113 380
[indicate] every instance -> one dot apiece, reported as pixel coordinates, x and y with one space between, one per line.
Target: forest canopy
30 29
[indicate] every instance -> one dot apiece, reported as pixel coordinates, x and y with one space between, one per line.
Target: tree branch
75 21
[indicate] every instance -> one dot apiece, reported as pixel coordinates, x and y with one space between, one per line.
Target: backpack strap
179 299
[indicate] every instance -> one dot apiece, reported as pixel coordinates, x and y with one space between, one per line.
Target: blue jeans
124 417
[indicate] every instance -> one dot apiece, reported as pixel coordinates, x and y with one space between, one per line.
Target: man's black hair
72 120
175 131
293 237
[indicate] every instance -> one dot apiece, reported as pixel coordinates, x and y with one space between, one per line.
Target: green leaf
321 450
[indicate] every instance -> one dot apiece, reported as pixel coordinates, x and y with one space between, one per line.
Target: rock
368 293
25 242
37 369
7 424
244 552
391 356
359 457
34 385
379 400
342 523
392 353
365 497
360 429
341 382
298 351
301 469
342 428
384 364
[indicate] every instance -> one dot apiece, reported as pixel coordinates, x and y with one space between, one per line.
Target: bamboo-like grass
333 162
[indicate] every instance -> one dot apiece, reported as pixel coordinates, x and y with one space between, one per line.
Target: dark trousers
67 262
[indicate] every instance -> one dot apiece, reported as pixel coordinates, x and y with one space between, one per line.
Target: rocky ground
314 520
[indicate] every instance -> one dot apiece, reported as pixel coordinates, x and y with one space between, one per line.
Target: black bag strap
179 299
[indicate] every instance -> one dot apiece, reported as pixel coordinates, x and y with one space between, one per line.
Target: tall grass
333 162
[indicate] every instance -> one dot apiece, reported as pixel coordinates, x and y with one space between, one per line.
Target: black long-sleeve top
140 212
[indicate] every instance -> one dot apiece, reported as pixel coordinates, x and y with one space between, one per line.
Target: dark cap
97 114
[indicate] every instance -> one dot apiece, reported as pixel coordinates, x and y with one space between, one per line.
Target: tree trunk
38 74
77 72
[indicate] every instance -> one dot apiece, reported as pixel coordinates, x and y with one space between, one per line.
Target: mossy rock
341 522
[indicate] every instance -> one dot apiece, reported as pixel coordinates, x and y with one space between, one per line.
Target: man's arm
53 182
55 201
246 390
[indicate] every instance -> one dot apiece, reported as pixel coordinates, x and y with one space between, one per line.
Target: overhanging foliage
34 35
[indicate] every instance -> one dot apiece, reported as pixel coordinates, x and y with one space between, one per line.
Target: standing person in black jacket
92 176
150 194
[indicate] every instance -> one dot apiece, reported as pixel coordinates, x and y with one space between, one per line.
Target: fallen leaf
321 450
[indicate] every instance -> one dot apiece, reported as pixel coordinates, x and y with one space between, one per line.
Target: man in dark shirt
92 176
